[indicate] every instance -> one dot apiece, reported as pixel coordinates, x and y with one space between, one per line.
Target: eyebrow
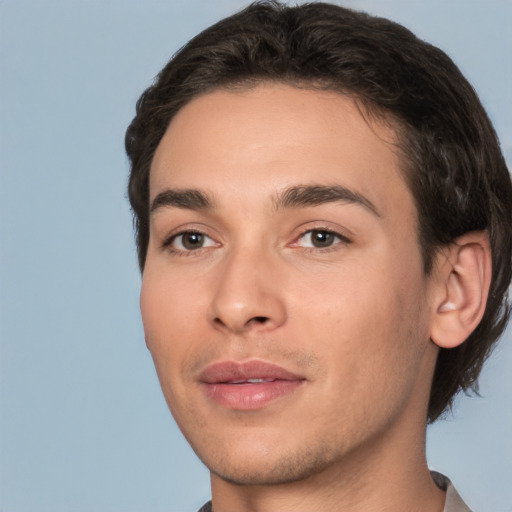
187 199
314 195
298 196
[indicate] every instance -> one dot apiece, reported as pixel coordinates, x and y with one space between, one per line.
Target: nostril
240 324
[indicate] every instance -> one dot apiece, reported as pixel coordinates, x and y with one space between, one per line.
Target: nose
248 295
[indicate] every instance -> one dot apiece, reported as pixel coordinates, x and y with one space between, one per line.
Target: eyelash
168 243
342 239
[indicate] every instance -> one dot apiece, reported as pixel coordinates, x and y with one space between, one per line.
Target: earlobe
462 281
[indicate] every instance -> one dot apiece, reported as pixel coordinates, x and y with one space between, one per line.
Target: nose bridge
247 294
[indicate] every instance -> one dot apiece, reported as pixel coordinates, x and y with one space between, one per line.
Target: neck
387 474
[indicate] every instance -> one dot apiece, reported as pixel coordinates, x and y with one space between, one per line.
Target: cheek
165 331
167 304
369 317
153 308
175 325
161 318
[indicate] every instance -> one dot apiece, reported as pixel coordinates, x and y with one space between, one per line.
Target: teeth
251 381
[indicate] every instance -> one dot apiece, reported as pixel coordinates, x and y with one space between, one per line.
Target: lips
248 385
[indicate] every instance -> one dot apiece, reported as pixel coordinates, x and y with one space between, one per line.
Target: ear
462 280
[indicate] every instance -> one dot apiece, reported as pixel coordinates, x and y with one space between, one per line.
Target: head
449 153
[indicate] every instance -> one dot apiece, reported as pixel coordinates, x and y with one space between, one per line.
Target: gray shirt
453 501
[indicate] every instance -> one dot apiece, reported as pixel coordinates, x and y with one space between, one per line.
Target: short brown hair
454 166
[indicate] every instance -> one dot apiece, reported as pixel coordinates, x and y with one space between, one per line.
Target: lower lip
250 396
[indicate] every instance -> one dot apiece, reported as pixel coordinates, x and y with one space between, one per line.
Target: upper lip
234 371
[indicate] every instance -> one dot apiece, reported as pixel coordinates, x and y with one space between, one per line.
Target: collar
453 501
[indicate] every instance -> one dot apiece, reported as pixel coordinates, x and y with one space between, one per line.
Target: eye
189 241
320 239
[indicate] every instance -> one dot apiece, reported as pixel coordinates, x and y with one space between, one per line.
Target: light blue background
83 425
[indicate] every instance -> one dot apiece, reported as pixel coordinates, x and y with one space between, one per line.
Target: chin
269 468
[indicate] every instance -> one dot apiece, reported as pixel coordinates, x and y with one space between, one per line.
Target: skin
352 317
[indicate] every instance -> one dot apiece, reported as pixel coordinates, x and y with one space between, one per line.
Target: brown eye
322 238
190 241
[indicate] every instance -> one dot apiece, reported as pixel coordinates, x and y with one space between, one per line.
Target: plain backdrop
83 424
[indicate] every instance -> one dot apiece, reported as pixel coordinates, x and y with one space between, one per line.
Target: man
323 222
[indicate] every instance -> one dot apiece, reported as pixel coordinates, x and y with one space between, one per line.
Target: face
283 297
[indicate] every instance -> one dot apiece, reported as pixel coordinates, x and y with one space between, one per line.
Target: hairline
371 113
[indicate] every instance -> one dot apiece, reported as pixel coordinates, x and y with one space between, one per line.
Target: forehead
272 136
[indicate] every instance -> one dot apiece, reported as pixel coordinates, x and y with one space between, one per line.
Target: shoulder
454 502
207 507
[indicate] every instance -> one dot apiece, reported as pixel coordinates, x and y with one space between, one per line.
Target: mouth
248 385
251 381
